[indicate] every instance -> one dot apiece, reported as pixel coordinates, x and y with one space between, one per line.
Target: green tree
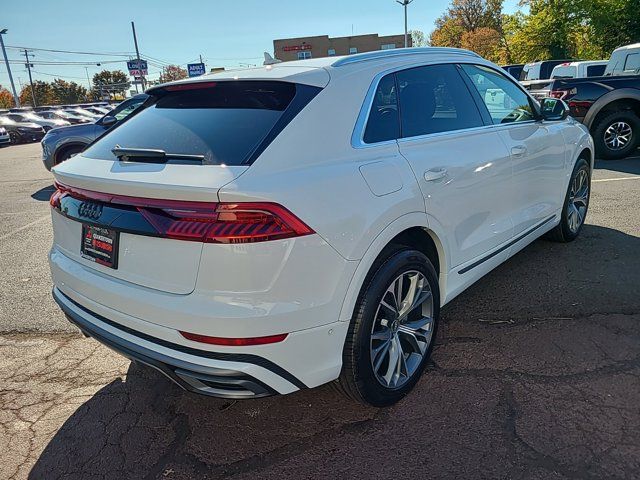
111 82
612 23
68 92
417 38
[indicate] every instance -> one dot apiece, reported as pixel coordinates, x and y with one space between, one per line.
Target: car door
537 148
462 166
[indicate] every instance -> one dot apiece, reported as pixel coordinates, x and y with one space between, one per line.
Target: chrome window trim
357 136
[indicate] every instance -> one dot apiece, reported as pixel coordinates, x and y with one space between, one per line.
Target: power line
63 63
54 75
113 54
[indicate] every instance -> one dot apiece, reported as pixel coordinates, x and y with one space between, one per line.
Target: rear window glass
632 62
224 121
595 70
564 72
383 123
530 72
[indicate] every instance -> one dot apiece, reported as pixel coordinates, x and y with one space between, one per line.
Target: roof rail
381 54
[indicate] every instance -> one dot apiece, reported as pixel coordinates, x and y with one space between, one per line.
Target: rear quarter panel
314 171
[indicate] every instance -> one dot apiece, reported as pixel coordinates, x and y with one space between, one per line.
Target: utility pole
86 69
135 41
16 98
28 65
405 4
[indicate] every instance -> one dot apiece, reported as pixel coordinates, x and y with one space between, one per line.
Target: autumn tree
486 42
6 98
473 24
42 91
172 73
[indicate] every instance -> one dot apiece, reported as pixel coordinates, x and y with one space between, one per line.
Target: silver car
59 144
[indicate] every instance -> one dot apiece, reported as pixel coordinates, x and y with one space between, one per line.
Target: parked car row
28 124
603 94
60 144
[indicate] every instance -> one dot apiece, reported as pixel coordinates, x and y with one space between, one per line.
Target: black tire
15 138
358 379
68 152
563 232
609 121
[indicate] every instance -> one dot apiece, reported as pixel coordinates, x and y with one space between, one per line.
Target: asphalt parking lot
536 374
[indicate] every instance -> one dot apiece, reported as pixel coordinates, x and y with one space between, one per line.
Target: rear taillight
207 222
562 93
234 342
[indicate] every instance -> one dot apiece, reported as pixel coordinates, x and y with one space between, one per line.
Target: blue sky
226 34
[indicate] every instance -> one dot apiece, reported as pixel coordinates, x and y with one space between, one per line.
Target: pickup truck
535 76
609 106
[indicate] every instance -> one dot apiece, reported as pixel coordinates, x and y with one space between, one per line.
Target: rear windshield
530 72
226 122
564 71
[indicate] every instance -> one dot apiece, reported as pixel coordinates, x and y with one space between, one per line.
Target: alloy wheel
402 329
578 200
618 135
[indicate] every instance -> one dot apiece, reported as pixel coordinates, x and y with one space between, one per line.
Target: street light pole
135 41
28 65
405 4
16 98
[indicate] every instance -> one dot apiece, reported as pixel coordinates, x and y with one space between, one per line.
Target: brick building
323 46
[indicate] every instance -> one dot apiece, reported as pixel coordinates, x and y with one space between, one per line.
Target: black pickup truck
610 105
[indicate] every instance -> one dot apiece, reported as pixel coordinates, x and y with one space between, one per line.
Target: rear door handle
435 174
518 151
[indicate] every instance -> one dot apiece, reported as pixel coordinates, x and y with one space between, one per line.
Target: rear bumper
194 377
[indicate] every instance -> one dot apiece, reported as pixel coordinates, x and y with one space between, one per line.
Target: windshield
223 121
82 111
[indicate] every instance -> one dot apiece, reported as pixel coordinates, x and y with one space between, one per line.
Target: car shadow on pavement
598 273
626 165
44 194
146 427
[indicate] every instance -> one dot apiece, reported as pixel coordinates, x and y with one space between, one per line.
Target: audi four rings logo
90 210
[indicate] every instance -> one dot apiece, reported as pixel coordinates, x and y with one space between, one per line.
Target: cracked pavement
535 375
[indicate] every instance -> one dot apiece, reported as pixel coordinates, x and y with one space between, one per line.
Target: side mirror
553 109
108 121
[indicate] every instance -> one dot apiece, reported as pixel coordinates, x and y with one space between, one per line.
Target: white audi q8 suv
268 230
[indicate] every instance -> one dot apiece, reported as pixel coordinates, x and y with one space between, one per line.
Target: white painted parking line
615 179
24 227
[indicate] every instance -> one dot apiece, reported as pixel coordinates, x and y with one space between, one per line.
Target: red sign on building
296 48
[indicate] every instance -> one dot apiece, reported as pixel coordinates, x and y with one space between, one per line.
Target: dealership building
324 46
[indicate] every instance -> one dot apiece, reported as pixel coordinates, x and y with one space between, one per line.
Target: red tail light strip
207 222
234 342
